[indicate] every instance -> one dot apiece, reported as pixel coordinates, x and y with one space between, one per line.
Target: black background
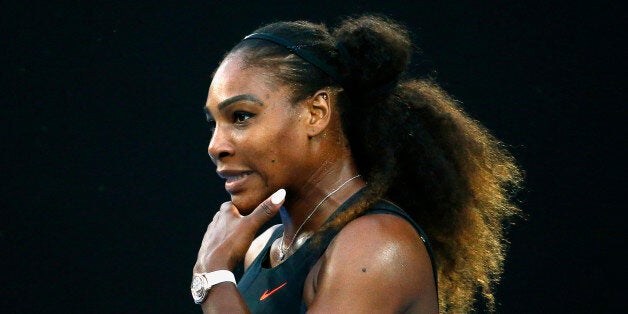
108 188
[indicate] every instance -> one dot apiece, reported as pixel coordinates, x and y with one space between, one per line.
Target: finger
268 208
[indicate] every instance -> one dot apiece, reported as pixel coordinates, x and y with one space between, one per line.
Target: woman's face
258 142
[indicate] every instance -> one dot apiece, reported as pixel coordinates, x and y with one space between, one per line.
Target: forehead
233 77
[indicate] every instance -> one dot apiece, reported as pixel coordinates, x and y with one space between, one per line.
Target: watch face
198 288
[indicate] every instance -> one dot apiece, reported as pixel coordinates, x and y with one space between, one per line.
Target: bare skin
262 142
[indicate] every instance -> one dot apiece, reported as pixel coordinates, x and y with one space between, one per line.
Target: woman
324 129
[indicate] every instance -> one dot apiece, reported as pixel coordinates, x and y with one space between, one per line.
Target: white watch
202 282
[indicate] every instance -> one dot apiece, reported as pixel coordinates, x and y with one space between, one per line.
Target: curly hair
411 141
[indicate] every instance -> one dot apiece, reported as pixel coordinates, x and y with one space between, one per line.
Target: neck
300 202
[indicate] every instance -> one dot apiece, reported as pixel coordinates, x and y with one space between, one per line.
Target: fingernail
278 196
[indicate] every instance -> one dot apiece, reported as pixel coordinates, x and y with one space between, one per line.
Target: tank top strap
320 241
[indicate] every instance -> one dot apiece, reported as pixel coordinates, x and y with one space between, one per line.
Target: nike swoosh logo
267 293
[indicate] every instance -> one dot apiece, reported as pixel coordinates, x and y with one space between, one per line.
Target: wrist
216 260
209 267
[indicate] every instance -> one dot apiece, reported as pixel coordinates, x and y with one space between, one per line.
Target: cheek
290 157
275 147
262 153
278 158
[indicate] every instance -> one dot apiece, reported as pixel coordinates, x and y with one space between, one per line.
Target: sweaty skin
263 142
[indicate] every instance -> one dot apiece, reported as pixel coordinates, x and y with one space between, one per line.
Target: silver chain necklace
282 251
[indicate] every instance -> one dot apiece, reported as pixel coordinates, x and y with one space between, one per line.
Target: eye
242 116
212 124
210 120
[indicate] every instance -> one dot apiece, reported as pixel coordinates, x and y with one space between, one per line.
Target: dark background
107 187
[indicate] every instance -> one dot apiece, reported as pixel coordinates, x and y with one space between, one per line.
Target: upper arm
377 263
258 245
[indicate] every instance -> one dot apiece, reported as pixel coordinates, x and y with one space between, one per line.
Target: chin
245 205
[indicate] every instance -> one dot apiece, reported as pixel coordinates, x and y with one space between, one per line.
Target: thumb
268 208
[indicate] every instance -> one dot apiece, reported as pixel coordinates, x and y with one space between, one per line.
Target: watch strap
218 276
203 282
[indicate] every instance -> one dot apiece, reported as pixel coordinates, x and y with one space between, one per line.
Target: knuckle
225 206
216 216
266 208
211 224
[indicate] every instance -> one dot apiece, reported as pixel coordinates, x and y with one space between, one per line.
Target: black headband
299 51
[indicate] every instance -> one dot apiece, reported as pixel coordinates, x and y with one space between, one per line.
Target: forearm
224 298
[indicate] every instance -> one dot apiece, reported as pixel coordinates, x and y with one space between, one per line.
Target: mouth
234 179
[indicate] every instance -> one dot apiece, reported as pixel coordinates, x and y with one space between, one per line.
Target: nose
220 145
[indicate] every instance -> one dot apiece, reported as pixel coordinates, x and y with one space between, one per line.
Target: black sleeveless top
280 289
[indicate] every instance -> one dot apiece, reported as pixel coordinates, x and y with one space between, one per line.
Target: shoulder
380 261
384 239
258 245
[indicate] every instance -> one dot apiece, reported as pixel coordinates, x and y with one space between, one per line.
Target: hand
230 234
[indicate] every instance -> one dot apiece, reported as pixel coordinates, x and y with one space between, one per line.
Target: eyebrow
225 103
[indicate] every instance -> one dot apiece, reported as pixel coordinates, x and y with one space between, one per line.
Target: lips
234 179
231 178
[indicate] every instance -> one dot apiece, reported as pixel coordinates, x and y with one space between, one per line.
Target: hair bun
374 51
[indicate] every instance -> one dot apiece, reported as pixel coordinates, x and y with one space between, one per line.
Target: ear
319 113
